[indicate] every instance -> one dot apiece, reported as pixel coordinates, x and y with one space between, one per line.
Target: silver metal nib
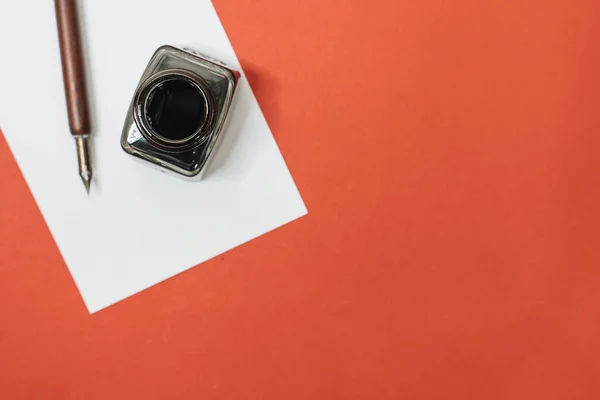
83 157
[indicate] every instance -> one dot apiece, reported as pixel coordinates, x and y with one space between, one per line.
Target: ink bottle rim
141 118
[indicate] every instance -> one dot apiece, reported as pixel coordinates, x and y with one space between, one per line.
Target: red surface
448 155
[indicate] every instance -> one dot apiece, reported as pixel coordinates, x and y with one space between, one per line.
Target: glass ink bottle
178 111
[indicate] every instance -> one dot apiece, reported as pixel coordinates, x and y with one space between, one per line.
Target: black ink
176 109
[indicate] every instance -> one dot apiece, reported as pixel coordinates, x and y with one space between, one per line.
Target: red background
447 152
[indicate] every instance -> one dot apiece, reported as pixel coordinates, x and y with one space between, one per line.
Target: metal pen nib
83 157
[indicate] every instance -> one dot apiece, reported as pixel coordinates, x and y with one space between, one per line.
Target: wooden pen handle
72 66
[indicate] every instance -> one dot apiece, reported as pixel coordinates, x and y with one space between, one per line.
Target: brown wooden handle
72 66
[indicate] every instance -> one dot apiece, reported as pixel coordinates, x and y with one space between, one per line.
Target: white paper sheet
139 226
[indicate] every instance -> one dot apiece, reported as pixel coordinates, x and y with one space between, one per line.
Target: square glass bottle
178 110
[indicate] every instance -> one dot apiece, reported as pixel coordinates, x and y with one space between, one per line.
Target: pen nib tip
87 180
